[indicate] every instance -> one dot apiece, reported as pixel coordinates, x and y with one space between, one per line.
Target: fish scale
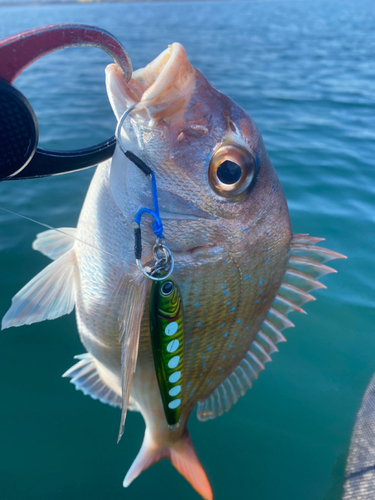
214 312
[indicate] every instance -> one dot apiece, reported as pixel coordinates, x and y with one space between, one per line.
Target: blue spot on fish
199 324
197 304
260 292
267 249
260 282
247 277
230 345
190 341
267 260
225 292
225 334
239 321
223 324
234 270
224 356
203 357
223 286
203 364
235 335
188 384
209 348
267 234
227 304
233 308
257 301
247 328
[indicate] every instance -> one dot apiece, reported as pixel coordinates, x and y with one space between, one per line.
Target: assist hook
164 262
20 158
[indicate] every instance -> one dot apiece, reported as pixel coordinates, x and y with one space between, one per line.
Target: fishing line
58 230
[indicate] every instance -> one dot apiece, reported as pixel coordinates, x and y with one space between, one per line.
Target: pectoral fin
49 295
55 242
130 317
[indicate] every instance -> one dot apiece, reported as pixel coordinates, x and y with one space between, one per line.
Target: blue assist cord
157 225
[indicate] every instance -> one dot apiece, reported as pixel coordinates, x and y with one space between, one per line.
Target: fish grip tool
20 156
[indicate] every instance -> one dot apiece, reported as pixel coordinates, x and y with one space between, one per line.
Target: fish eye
231 171
167 288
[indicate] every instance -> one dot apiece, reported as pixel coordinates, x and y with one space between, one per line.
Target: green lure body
167 339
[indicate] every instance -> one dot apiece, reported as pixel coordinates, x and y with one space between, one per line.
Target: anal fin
85 377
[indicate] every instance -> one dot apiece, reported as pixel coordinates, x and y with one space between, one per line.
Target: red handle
19 51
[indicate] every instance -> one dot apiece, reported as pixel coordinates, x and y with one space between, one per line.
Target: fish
238 268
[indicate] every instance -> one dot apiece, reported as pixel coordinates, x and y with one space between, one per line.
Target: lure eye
167 288
231 171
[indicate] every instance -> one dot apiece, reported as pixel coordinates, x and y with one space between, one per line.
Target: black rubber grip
18 130
46 162
19 156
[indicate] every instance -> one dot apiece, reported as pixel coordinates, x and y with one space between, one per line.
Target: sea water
305 71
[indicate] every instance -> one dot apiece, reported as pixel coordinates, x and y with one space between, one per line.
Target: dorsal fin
305 266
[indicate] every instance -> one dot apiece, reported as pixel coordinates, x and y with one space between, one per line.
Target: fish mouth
164 86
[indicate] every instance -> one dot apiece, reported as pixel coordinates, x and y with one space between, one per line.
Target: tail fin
182 456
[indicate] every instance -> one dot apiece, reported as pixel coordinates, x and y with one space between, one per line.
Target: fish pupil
229 172
167 288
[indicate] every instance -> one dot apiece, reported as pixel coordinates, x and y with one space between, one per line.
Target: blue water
305 71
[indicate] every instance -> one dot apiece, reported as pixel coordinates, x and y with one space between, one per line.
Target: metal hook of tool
20 158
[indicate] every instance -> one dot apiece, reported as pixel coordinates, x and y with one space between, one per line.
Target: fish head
223 209
216 184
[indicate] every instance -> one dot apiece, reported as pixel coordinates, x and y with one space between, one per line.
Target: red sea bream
239 268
